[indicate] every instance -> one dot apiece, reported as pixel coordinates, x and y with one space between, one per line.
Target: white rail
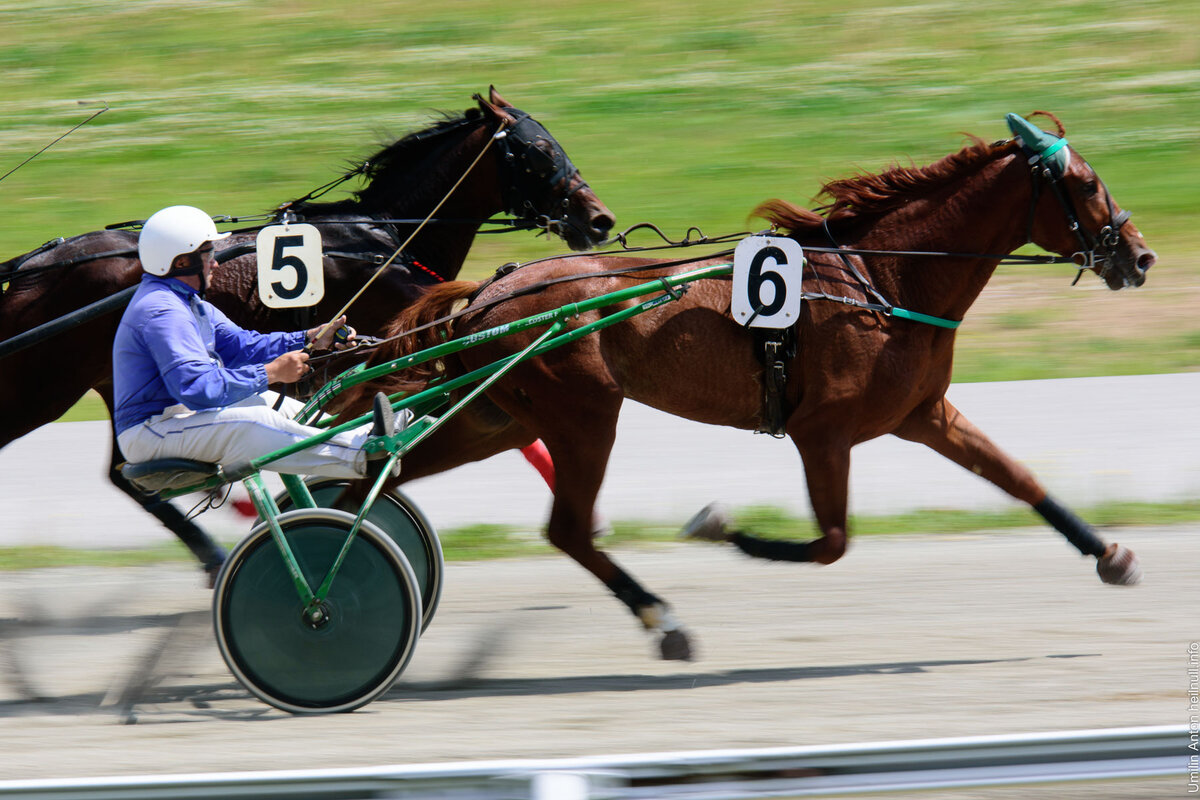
928 764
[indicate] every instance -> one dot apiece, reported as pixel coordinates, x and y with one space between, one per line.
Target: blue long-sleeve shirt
173 347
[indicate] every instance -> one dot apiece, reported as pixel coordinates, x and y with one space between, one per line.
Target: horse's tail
416 328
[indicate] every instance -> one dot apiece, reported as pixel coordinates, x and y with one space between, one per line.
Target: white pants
236 434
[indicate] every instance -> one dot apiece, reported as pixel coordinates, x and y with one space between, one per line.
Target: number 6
759 261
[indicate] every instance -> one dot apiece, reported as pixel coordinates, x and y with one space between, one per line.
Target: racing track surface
908 637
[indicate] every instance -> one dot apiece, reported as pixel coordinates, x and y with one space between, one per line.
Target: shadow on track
582 684
147 694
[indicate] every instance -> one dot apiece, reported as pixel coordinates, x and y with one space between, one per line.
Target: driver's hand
336 335
288 368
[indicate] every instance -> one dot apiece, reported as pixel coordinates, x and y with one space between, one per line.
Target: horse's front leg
943 428
570 530
580 454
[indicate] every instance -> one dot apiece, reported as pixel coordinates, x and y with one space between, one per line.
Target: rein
882 306
499 134
505 225
56 141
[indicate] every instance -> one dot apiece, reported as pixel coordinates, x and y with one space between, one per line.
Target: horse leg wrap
772 549
630 592
657 617
1078 532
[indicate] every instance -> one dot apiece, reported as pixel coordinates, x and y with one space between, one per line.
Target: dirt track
908 637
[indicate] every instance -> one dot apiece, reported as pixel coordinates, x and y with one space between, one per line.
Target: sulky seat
169 473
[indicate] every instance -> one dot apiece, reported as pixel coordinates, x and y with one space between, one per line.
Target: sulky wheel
367 628
398 517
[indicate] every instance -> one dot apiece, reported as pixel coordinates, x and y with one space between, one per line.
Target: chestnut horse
526 174
861 369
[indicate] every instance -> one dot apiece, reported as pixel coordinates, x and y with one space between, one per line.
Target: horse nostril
602 224
1146 260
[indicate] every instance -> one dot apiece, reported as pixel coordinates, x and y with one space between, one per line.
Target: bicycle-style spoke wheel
398 517
337 656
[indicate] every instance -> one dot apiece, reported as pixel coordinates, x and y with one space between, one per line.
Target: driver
188 383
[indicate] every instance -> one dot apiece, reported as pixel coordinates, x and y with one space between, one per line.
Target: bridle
1096 249
527 167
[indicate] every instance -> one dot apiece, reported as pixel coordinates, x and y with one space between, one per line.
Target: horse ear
1040 145
496 99
492 109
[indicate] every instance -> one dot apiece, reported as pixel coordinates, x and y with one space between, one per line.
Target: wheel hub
317 615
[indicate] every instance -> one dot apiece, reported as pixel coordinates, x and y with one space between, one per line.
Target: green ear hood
1039 145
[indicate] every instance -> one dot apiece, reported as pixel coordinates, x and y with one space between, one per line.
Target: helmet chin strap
195 266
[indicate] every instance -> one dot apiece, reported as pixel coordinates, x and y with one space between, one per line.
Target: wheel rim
371 625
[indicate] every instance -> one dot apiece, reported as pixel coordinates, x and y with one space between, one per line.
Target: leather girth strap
774 348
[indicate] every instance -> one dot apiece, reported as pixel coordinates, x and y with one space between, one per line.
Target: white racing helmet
172 232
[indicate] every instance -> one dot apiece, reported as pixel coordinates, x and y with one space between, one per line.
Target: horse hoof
212 572
675 646
709 525
1119 566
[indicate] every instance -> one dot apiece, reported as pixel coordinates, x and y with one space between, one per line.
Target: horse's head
540 184
1082 219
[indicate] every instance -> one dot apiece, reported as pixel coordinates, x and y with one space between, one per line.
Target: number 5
295 247
280 262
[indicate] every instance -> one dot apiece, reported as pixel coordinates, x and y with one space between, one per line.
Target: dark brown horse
860 370
526 174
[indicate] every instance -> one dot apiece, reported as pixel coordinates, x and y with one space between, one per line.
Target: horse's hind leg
210 554
827 471
943 428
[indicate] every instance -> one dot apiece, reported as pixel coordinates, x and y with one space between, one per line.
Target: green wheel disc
371 616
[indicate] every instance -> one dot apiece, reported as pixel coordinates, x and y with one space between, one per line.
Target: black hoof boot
212 570
711 524
675 646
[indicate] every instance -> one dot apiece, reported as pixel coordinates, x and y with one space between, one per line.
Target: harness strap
866 285
13 272
775 349
881 305
471 307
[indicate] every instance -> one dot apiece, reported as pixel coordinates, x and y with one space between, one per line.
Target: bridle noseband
527 168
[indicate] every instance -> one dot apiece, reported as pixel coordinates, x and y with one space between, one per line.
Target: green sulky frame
424 403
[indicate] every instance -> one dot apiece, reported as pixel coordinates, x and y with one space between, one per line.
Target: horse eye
1091 189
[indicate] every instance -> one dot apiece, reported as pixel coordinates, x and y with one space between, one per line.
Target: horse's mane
405 156
400 340
869 196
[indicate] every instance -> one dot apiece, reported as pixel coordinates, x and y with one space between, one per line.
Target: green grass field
678 113
485 541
